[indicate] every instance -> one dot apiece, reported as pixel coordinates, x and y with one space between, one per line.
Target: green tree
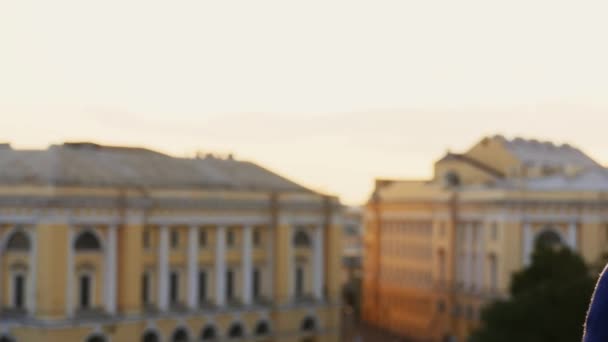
548 300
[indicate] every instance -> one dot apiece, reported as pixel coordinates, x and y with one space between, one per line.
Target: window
257 238
493 273
301 239
442 268
208 334
350 230
180 335
230 238
87 241
229 285
174 287
299 281
96 338
150 336
145 288
256 283
146 241
309 324
19 241
202 286
19 291
174 239
262 329
452 179
85 291
202 238
235 331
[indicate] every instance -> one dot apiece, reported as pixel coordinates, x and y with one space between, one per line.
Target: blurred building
437 250
352 244
103 243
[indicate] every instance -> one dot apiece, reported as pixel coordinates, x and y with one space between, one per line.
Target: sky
331 94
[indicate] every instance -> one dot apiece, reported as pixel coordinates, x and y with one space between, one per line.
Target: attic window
452 179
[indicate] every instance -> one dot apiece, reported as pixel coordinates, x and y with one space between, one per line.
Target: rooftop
89 164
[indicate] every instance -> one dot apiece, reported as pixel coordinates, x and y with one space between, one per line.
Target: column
468 262
481 243
193 267
33 270
318 269
69 288
573 236
290 263
247 265
528 243
110 274
163 269
220 266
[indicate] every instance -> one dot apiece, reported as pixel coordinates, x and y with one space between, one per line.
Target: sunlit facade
119 244
438 250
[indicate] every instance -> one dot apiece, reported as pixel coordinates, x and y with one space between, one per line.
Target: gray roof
546 153
87 164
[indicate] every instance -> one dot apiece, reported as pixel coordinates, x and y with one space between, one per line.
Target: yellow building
116 244
437 250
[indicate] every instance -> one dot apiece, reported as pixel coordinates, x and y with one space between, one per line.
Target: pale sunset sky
331 94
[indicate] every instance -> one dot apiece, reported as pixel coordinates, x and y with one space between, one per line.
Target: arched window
262 329
208 333
180 335
301 239
548 238
236 331
87 241
96 338
309 324
150 336
18 241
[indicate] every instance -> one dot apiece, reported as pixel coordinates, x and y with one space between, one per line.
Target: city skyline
330 103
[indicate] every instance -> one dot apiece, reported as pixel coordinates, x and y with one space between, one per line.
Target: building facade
352 244
438 250
103 243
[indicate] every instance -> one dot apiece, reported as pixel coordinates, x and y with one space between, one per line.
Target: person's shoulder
596 327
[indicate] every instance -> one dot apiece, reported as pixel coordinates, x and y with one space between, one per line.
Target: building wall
52 264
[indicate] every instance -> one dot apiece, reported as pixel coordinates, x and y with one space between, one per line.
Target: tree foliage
548 301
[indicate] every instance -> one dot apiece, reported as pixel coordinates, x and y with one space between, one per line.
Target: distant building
438 250
352 245
102 243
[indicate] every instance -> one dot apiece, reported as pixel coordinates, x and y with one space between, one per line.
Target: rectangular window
145 289
256 283
19 291
299 281
257 238
202 286
230 238
146 238
493 273
174 239
85 291
174 287
229 285
202 238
